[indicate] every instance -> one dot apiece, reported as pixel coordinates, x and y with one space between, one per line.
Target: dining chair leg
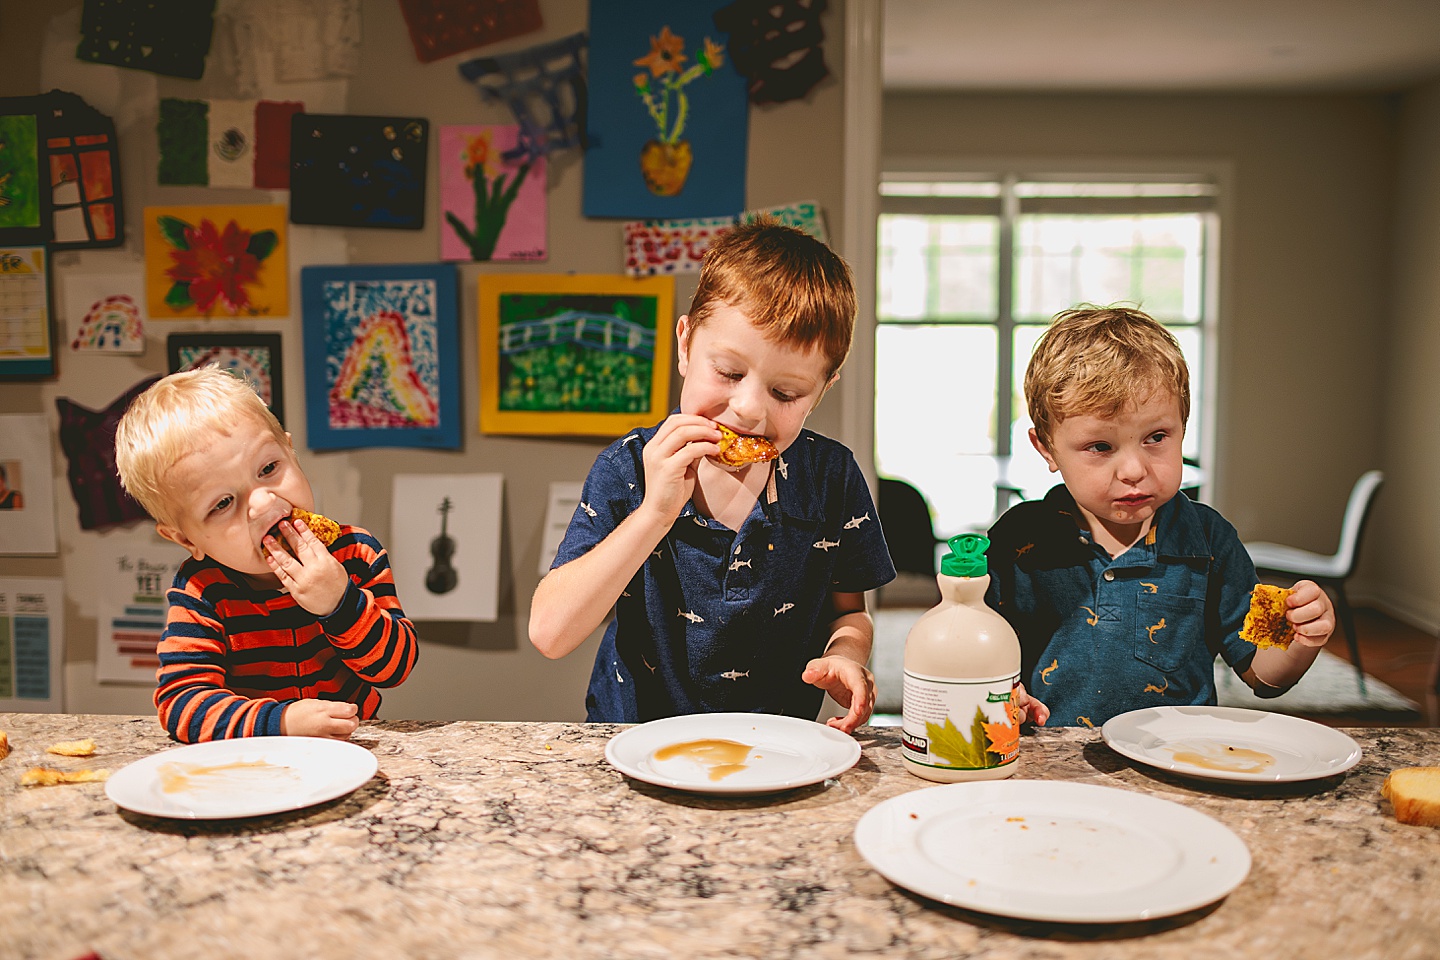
1347 620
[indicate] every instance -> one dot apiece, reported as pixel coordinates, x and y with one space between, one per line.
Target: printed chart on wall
26 349
32 645
131 613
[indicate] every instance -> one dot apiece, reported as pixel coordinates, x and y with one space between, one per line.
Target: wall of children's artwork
314 196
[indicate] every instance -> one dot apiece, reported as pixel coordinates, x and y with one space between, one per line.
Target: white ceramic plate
783 753
247 777
1052 850
1230 743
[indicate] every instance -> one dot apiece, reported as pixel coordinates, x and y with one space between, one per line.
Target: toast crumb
73 748
46 777
4 745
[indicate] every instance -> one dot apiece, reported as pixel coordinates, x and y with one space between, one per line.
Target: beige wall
474 671
1404 550
1306 304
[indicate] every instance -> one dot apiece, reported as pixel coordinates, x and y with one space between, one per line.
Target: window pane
1154 260
935 404
934 267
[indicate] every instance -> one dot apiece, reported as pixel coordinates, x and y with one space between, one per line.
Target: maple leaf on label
1004 738
950 745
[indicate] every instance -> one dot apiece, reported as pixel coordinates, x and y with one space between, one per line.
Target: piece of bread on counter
1414 792
1265 623
4 745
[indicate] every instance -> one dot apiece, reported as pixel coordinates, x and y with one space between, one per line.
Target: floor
1402 656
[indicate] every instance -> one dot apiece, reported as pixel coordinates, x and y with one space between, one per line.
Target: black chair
908 527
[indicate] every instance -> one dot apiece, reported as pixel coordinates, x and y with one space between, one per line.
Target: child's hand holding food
303 562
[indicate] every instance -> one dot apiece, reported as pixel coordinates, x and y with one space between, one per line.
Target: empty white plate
1231 743
732 753
246 777
1052 850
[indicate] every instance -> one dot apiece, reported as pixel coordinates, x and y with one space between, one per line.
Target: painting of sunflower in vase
665 160
216 261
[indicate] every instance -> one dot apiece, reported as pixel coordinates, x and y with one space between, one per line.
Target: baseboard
1422 613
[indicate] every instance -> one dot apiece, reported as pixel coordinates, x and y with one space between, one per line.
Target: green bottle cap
966 557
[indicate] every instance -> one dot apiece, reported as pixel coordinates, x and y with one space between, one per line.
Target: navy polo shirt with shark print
1100 636
719 620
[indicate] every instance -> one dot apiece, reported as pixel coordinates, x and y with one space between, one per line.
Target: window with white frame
971 270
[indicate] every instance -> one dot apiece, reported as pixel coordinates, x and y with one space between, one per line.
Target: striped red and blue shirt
233 657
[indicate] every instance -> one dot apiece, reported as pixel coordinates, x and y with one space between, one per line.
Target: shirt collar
1177 527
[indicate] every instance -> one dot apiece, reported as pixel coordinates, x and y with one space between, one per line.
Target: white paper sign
131 612
564 498
32 645
27 486
445 545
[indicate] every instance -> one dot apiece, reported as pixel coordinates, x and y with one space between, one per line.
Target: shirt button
1109 574
1082 538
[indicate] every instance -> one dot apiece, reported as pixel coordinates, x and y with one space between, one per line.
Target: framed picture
578 355
382 356
253 357
24 182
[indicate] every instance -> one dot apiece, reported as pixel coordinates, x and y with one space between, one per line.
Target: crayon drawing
581 355
381 357
106 313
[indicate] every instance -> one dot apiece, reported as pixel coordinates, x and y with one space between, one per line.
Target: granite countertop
519 840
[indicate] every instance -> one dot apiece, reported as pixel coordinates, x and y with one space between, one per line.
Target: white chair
1333 570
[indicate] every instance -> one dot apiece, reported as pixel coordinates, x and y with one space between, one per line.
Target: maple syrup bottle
962 664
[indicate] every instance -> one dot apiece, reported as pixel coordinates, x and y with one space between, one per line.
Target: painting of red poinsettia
216 261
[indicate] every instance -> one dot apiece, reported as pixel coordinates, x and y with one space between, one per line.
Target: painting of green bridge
577 348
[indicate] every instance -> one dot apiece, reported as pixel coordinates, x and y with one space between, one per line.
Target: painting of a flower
215 261
491 195
665 161
667 114
212 265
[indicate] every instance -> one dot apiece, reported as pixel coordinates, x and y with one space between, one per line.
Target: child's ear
1043 450
682 344
824 390
177 536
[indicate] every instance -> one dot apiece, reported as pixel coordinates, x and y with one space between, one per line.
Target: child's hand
849 684
670 458
314 578
1312 613
1030 708
320 718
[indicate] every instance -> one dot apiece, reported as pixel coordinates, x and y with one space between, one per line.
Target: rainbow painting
381 348
106 313
253 357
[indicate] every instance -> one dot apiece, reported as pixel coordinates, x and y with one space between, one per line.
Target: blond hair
1100 360
790 285
173 418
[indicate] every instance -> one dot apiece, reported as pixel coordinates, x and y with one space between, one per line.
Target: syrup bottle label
960 724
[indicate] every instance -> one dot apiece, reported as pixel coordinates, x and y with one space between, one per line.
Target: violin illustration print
441 577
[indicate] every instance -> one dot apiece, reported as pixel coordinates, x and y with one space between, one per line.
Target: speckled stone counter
519 840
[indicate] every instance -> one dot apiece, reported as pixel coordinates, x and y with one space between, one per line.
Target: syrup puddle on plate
193 777
721 757
1211 755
